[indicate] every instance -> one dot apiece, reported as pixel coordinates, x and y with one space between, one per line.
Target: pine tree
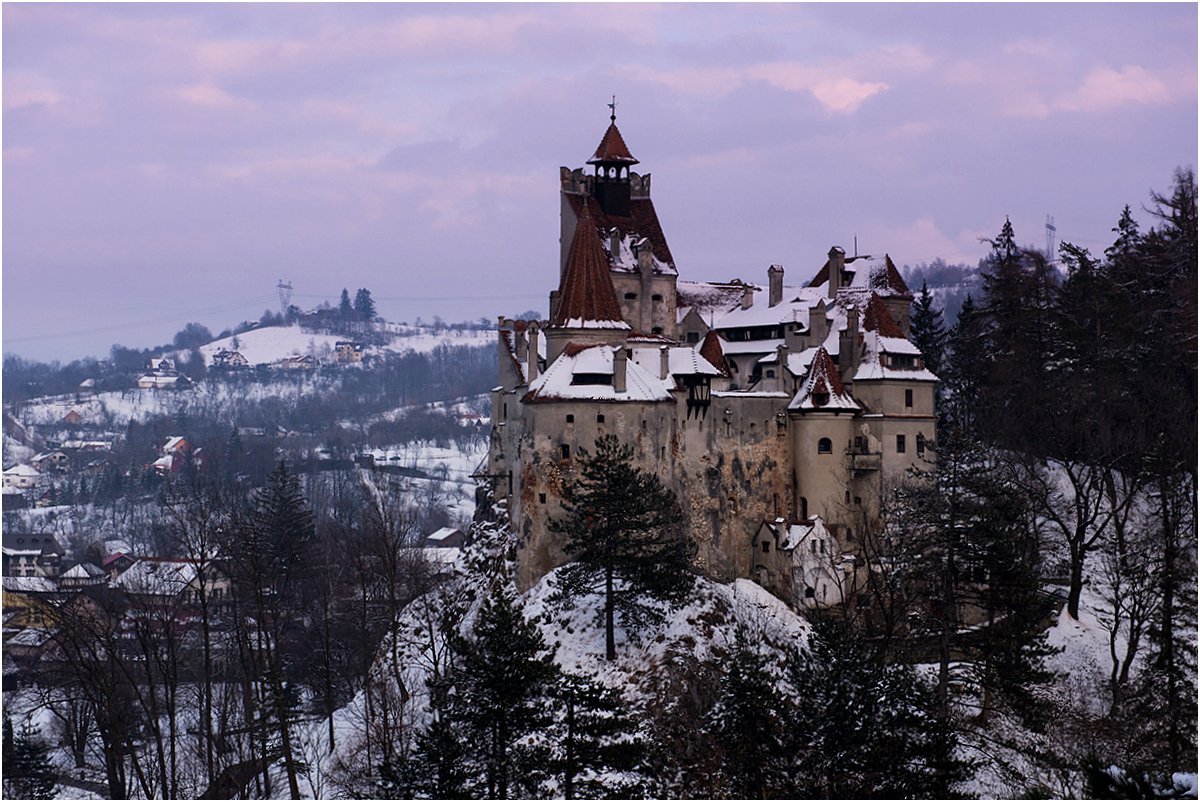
28 771
862 728
966 366
748 722
928 329
345 309
504 674
599 751
364 306
624 530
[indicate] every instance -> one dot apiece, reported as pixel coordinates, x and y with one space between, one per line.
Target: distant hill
270 344
948 284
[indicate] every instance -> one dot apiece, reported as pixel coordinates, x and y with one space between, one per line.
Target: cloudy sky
169 163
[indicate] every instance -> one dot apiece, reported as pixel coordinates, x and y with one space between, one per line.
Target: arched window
824 446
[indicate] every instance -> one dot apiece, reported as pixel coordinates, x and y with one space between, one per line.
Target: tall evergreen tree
364 305
624 530
863 728
504 675
966 367
748 723
345 308
928 329
28 771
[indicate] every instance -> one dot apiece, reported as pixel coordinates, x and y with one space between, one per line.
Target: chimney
619 357
775 279
837 263
852 334
664 362
519 340
532 372
781 353
747 296
645 256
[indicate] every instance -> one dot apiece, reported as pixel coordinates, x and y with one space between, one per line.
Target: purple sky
168 163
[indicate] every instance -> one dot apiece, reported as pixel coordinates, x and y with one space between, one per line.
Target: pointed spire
587 295
612 148
823 387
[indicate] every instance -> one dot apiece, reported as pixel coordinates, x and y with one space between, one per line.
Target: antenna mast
1051 231
285 295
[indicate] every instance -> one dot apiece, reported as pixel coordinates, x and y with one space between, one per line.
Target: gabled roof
823 379
587 296
878 318
712 351
868 272
612 148
556 384
642 222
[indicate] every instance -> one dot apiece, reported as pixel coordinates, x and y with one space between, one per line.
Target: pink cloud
210 95
1106 88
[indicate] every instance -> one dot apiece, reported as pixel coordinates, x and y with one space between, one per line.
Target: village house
305 362
779 414
231 360
22 477
30 554
347 352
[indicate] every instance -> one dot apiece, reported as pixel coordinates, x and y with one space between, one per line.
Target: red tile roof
612 148
711 350
587 292
642 221
824 379
878 318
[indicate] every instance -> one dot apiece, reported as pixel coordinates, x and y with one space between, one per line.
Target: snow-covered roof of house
29 584
867 274
30 637
155 576
823 389
875 362
556 384
681 361
443 533
709 299
160 381
22 470
587 298
797 533
174 443
738 347
83 571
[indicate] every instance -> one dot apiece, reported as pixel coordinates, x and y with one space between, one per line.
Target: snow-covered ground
272 343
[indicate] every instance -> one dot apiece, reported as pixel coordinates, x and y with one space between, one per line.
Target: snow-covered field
270 344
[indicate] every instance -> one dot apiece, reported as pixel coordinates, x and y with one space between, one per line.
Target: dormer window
820 399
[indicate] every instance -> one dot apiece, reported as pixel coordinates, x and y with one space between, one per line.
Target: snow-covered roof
556 383
83 571
796 534
22 470
876 365
709 299
749 346
681 361
29 584
865 274
157 577
443 533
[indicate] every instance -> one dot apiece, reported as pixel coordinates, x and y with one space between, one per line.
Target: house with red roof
779 413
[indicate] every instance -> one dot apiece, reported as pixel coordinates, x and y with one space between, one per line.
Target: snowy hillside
272 343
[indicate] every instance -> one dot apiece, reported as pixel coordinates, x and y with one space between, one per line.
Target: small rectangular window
570 419
541 498
693 337
565 451
900 444
908 398
600 418
766 546
858 501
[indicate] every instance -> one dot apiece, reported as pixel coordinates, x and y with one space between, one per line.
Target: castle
778 414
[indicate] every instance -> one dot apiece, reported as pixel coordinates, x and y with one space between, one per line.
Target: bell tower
612 161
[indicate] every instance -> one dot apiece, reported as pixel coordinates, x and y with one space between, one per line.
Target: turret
612 161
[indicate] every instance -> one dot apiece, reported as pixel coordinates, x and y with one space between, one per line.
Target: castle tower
612 161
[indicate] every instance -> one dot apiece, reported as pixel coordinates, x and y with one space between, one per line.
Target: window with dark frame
908 398
901 444
824 446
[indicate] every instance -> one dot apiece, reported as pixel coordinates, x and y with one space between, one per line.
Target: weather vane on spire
612 107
